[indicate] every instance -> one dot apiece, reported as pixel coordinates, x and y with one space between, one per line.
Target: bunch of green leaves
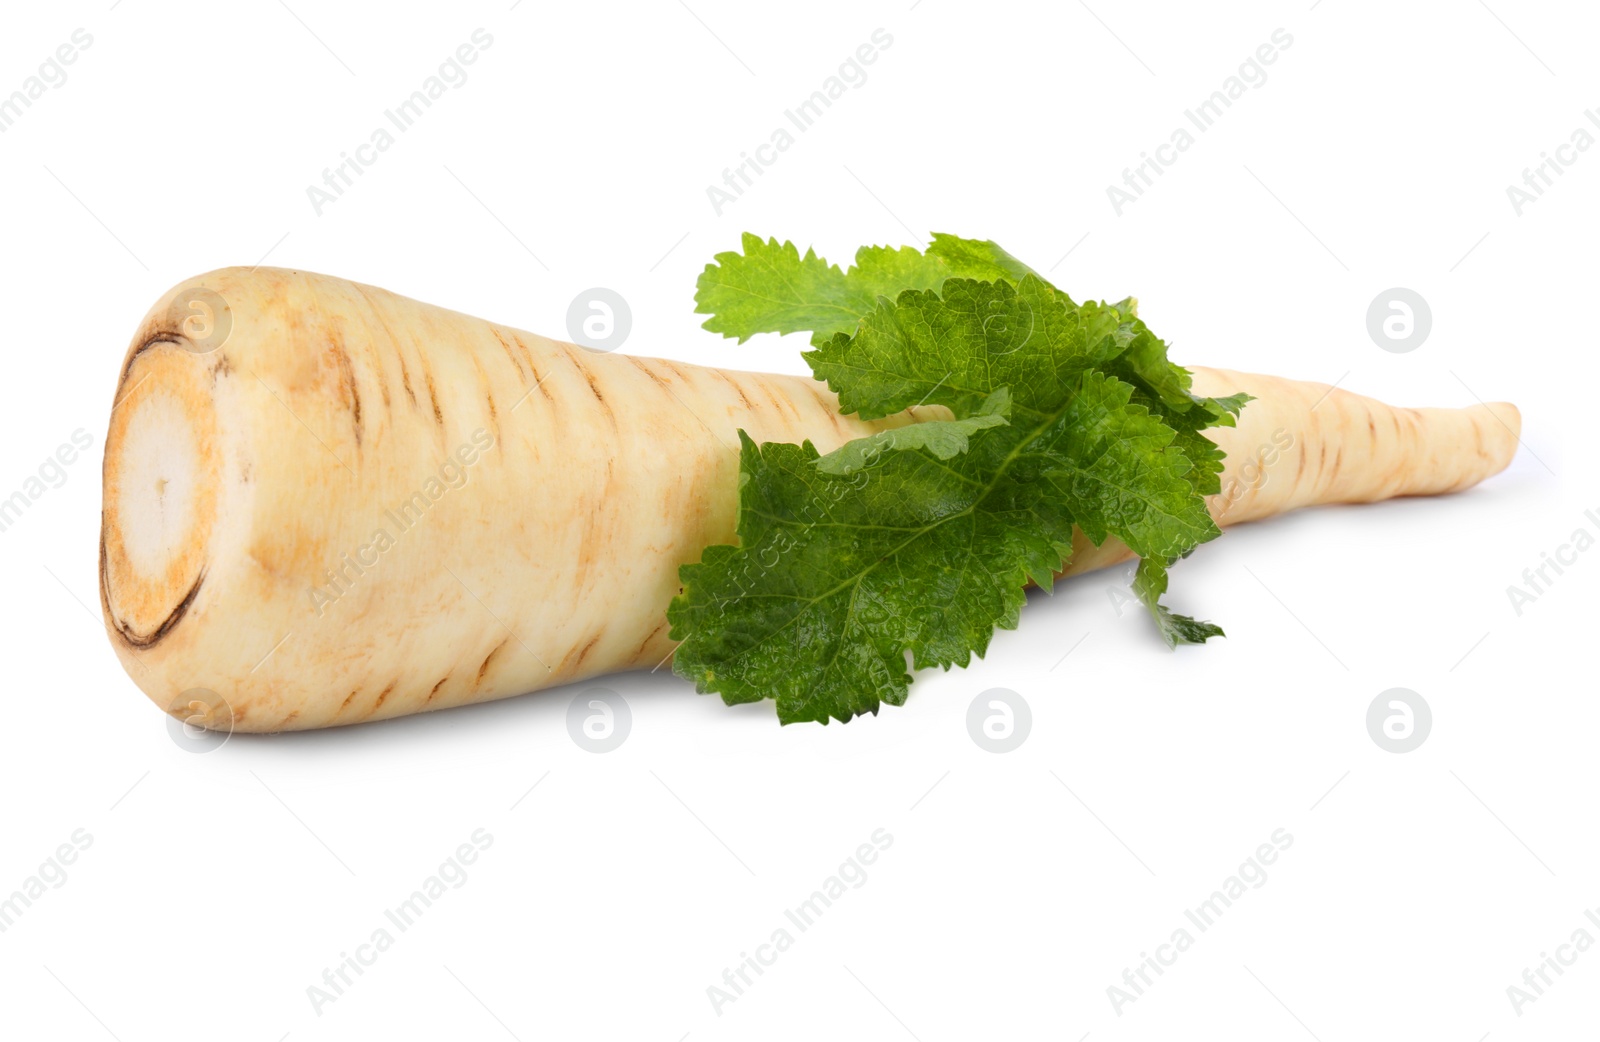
918 541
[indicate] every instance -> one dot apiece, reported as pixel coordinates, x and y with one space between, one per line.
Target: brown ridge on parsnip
538 382
725 378
488 396
376 313
673 369
488 659
507 348
433 397
829 409
649 637
598 397
586 649
347 385
405 374
516 338
779 402
638 363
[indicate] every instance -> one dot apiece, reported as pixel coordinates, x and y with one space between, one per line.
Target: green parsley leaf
771 288
1149 583
978 259
1114 462
836 578
958 348
917 542
942 438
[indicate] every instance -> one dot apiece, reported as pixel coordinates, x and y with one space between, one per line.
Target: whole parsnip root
359 506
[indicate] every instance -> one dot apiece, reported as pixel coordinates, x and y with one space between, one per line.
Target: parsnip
280 525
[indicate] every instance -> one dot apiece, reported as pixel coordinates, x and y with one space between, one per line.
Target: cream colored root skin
241 480
1302 443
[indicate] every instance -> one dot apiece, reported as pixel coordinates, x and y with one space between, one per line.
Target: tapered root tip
1508 415
1499 426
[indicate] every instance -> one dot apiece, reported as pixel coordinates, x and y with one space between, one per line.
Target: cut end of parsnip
162 473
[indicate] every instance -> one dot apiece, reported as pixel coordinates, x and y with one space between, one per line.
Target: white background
1019 886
